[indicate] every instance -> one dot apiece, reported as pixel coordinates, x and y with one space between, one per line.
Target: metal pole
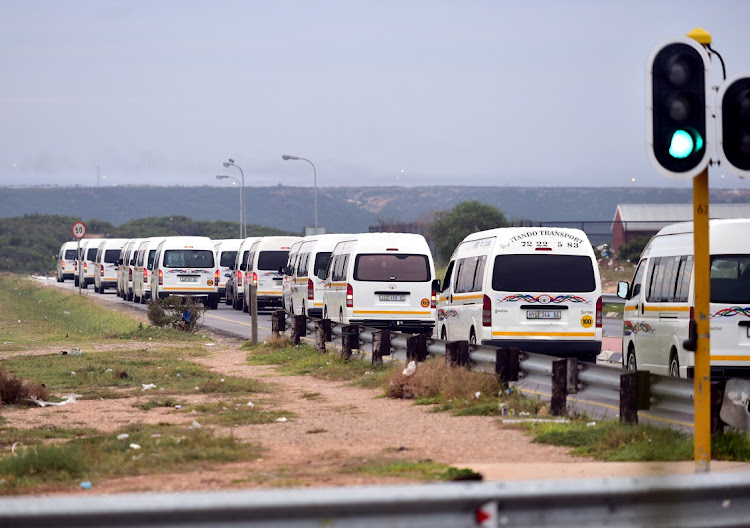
243 230
702 370
315 192
254 313
80 268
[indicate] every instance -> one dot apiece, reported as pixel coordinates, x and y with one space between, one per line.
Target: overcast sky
372 92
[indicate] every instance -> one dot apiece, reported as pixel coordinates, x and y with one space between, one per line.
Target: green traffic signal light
685 143
682 145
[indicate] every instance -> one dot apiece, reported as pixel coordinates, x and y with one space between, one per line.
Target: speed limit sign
79 230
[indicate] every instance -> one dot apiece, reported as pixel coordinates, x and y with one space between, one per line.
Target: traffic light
733 125
678 81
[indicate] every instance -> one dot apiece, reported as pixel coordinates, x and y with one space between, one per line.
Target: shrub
185 313
14 390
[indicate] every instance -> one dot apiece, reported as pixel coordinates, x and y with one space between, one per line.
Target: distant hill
340 209
29 243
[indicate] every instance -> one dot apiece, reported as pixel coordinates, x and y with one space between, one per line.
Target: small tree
185 313
633 249
451 226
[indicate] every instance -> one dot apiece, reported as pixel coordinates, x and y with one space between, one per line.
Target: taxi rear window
543 273
392 267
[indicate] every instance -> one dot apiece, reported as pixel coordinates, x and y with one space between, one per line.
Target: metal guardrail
704 500
657 393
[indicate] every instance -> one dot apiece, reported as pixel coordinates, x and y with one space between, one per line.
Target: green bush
171 313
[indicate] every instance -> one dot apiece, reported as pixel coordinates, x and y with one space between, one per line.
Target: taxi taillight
349 296
599 306
486 311
161 277
310 290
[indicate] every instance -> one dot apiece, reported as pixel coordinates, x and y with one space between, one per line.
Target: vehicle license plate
188 278
392 297
539 314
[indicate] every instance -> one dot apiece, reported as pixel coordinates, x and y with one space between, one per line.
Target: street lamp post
242 208
230 163
287 157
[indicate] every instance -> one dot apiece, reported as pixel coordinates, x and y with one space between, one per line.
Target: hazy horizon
408 93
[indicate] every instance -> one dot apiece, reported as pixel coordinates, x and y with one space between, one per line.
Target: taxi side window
637 280
447 278
684 273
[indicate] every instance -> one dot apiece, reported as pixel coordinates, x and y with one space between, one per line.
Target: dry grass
15 391
435 379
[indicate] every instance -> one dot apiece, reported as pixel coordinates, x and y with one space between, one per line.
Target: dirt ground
339 427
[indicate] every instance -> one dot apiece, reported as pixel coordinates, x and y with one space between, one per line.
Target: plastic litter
250 404
591 424
195 425
123 436
281 420
86 484
76 352
410 369
477 394
147 386
70 398
134 446
178 406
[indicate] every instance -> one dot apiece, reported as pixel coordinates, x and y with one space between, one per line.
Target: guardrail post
278 323
322 334
629 398
559 387
416 348
381 345
506 363
573 375
717 396
349 340
299 328
457 353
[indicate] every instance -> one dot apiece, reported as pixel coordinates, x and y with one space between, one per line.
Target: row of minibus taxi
535 288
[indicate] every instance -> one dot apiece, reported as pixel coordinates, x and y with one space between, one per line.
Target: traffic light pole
702 365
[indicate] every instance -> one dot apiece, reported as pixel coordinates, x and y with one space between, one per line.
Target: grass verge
35 315
305 360
147 449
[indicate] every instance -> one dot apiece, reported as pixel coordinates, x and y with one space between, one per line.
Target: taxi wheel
631 365
674 365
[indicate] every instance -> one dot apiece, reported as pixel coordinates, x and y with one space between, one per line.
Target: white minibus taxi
66 261
267 256
306 288
287 273
144 263
535 288
87 260
383 280
660 302
186 266
226 254
105 265
126 267
240 275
